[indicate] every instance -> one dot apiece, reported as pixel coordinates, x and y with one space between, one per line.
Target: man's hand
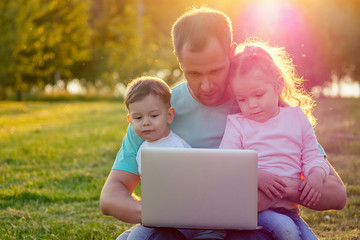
271 184
333 194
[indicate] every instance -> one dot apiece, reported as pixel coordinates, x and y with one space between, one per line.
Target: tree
121 44
16 32
63 39
40 37
336 30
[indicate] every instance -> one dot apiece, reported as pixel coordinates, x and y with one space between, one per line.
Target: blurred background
89 47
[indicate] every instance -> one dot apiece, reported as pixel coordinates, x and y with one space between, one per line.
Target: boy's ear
128 118
171 114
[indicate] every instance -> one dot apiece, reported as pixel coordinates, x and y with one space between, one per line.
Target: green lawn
55 157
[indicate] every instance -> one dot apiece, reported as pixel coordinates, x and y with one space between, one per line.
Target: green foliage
336 30
16 26
55 157
39 38
63 36
122 44
103 43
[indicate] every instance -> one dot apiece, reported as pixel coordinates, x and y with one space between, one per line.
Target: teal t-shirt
199 125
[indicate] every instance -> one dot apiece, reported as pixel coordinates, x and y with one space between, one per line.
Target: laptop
199 188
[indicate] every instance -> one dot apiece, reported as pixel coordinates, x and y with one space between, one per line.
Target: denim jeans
233 235
248 235
139 232
285 224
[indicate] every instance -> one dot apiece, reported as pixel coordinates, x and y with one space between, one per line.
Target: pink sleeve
232 138
311 154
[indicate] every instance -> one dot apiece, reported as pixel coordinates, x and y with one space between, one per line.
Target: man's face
206 72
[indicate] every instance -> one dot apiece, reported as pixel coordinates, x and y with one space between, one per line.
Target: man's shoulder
179 87
181 98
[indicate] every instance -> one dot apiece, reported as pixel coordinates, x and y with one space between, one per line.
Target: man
203 44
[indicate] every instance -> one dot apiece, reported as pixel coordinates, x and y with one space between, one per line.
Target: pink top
286 144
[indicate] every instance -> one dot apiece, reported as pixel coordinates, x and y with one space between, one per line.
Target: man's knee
166 233
249 235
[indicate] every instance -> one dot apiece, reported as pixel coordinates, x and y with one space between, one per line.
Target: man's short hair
142 87
197 26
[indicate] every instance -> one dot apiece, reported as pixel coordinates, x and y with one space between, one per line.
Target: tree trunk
19 95
18 87
3 92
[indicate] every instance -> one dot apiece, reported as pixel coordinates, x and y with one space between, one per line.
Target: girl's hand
311 187
271 184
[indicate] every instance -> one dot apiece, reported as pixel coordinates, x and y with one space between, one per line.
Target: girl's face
256 95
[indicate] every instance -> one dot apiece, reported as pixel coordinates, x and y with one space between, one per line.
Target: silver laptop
199 188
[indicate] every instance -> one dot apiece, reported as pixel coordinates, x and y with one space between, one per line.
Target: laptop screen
199 188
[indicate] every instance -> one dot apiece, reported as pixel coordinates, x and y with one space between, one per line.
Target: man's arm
264 202
333 195
116 197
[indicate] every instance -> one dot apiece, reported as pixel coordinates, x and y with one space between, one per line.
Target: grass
338 131
55 157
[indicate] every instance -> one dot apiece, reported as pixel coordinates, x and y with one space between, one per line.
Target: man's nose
206 84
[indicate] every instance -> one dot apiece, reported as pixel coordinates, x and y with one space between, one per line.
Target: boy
150 113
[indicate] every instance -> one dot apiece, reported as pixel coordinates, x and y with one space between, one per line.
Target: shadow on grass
29 196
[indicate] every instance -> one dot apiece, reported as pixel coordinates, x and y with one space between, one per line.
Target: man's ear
180 65
128 118
177 58
171 114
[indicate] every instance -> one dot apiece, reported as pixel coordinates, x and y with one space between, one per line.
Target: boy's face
150 118
256 96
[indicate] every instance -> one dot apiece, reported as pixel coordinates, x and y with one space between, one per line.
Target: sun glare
285 24
270 19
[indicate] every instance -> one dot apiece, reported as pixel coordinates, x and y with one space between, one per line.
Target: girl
276 121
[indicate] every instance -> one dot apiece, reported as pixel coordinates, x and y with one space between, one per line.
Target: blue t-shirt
199 125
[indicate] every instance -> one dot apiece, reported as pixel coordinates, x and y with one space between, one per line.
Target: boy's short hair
141 87
197 26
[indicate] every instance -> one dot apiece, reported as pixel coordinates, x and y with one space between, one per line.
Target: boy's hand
272 185
311 187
